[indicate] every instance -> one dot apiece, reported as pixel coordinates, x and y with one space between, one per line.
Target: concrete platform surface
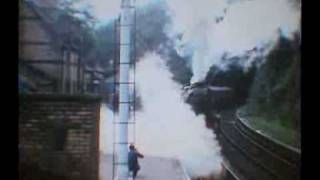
152 168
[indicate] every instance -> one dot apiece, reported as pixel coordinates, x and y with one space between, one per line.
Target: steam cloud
166 126
212 28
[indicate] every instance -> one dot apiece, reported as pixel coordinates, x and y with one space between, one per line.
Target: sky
106 10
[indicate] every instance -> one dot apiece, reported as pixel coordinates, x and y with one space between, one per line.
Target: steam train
203 94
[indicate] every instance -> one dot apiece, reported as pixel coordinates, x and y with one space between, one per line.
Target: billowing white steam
166 126
211 28
106 130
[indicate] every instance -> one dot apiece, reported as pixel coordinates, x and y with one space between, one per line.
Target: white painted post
122 128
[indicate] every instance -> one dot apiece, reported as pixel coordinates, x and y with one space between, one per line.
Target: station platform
152 168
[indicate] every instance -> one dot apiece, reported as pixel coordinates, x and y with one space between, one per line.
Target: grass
275 128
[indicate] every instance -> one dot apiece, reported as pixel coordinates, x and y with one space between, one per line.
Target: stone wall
59 136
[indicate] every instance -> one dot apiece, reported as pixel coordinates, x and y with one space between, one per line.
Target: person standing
133 163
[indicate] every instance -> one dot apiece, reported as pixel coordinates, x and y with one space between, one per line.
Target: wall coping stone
59 97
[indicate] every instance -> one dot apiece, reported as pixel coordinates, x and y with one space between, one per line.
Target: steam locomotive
203 94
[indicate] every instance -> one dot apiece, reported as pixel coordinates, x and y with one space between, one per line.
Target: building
94 79
50 42
58 121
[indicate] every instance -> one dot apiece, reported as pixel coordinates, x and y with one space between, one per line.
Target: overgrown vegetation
274 102
275 129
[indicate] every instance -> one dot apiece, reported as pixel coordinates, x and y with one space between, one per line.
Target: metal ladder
132 100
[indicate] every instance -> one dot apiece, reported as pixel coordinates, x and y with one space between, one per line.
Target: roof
60 25
96 69
46 3
93 69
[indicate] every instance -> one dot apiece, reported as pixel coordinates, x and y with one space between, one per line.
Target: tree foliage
276 89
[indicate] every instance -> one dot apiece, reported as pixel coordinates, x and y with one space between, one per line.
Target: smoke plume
211 29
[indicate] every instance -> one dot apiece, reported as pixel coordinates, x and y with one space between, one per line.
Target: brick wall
58 136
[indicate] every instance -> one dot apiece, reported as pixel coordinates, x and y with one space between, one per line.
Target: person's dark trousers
135 172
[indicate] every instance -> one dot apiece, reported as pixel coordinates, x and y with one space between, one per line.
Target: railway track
252 160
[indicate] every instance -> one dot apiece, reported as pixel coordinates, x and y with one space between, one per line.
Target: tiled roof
58 23
46 3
